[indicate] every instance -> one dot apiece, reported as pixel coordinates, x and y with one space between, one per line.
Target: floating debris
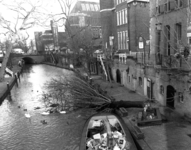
62 112
45 113
43 122
27 115
36 108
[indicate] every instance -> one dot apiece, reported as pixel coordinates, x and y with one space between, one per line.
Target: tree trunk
107 70
125 104
5 60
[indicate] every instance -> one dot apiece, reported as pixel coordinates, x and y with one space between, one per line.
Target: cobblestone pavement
175 134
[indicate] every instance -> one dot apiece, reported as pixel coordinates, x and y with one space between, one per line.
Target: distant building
86 15
50 40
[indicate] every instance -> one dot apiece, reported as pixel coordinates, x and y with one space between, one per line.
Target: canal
62 131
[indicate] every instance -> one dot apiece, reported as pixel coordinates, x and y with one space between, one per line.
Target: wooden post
8 87
19 76
16 79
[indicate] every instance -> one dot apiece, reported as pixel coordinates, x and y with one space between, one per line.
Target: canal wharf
7 84
173 133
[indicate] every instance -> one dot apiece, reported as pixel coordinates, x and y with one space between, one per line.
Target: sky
50 6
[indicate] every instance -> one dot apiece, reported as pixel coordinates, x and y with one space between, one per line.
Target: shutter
161 9
184 3
172 4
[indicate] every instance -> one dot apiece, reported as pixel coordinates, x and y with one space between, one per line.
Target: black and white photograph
95 75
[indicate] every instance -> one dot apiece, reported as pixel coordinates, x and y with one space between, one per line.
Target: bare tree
24 14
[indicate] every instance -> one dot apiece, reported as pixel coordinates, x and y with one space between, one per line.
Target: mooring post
16 79
8 87
19 76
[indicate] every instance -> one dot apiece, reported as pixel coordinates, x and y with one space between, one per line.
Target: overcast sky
52 6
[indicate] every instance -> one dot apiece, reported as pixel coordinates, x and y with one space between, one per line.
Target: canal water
62 131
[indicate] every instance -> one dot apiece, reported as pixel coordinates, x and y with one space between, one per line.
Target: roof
86 6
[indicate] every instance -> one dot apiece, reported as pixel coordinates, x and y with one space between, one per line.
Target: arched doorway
170 92
118 76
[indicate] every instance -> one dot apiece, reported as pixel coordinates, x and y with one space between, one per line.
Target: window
117 18
161 89
158 40
92 7
178 34
189 40
83 7
127 40
126 15
140 81
100 33
167 39
121 40
124 40
88 7
123 16
179 3
96 7
118 34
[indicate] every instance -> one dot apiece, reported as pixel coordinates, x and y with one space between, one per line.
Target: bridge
28 58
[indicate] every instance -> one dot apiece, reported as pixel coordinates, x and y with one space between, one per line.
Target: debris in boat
99 138
19 106
45 113
36 108
43 122
27 115
25 109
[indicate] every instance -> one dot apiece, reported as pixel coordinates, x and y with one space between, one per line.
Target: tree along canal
62 131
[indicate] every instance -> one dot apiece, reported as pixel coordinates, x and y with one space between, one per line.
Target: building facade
133 44
170 51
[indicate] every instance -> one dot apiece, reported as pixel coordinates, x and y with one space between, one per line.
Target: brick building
52 39
170 59
133 43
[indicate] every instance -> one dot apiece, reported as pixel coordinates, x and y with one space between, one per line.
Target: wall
138 23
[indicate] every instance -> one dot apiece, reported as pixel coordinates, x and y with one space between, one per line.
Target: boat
106 131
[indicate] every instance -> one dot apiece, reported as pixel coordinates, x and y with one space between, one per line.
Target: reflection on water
19 133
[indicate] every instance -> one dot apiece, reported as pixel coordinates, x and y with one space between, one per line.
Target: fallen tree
73 92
